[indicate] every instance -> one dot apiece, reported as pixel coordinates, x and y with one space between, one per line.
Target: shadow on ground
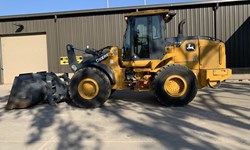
140 115
173 129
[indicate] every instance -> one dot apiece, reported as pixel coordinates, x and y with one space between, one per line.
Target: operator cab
144 38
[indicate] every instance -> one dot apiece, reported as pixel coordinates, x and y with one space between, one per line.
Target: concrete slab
240 77
216 119
5 89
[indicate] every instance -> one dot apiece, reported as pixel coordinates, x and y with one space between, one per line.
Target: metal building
37 41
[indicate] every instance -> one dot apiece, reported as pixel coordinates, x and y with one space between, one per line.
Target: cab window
156 27
141 38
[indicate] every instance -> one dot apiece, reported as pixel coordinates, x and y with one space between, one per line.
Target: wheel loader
173 68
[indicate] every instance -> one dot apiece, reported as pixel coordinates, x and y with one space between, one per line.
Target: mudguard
94 61
107 70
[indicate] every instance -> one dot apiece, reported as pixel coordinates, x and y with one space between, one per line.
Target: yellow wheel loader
173 68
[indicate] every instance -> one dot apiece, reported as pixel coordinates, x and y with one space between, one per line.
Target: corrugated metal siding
95 31
199 21
233 26
107 28
34 27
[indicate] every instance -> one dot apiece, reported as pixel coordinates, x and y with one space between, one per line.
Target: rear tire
89 87
174 85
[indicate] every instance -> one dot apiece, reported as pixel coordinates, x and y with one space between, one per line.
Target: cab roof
167 14
148 12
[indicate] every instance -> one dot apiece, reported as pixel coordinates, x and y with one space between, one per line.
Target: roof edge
109 10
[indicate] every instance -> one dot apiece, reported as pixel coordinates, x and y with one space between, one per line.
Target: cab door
136 43
144 41
141 38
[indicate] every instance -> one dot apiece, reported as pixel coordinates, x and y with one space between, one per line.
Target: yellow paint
207 61
208 55
212 54
148 12
64 60
88 88
113 62
189 59
138 63
213 76
175 85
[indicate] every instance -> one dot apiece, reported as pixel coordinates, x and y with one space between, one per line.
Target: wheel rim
88 88
175 86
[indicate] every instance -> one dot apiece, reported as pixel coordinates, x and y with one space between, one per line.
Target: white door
23 54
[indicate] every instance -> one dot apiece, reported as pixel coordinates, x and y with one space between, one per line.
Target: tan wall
23 54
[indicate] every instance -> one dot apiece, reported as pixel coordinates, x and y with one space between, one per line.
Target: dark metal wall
96 31
99 29
233 27
199 21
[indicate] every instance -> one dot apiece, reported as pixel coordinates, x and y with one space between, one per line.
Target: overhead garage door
23 54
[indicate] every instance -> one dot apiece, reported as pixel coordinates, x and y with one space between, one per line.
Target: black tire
164 87
99 91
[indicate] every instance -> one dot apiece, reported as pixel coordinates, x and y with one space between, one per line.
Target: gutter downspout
215 8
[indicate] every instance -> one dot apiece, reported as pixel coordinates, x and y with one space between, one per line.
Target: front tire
89 87
175 85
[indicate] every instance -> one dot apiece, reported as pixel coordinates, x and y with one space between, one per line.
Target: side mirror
169 16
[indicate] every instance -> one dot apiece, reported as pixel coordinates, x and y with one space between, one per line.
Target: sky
18 7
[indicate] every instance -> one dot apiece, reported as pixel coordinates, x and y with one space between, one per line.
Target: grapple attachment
34 88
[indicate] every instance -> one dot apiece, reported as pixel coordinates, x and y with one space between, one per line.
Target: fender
159 64
106 69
